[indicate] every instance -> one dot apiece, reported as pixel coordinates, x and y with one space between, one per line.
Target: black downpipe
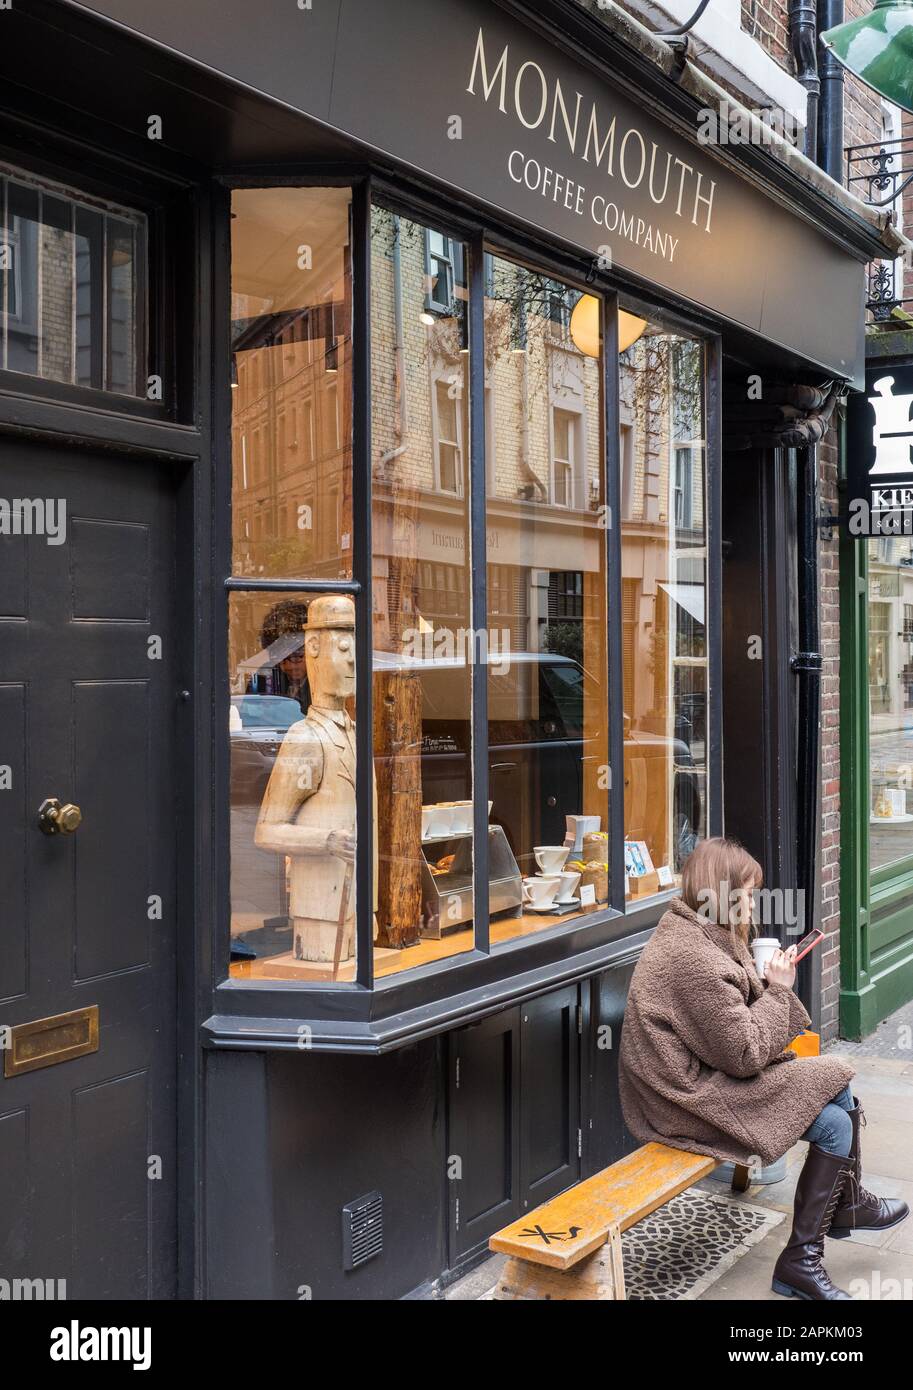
822 77
807 663
803 41
830 110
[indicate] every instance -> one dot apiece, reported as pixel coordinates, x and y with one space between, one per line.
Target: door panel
87 708
483 1129
549 1099
513 1115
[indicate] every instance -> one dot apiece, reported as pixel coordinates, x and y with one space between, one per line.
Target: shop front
877 711
430 587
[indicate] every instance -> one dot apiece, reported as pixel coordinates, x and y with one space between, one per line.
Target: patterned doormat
683 1248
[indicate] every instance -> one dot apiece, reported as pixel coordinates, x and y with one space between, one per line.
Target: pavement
868 1265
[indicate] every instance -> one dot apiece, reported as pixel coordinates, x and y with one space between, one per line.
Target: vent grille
362 1230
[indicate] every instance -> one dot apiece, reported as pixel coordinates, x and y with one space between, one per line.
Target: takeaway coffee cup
551 858
763 948
540 890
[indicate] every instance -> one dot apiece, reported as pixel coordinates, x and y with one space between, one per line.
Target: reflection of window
448 438
441 253
564 452
682 487
558 301
72 280
626 456
291 344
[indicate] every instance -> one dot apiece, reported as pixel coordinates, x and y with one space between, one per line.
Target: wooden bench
570 1247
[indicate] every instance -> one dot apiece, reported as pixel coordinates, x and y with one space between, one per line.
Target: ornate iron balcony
878 173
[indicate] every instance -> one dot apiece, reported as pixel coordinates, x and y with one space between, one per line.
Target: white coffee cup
763 948
568 885
540 890
551 858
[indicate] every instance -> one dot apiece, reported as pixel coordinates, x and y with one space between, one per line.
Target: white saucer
566 902
547 907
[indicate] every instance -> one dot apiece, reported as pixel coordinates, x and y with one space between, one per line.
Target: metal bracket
806 661
826 523
681 50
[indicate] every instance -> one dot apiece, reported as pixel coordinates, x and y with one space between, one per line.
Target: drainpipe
401 422
807 661
803 40
830 111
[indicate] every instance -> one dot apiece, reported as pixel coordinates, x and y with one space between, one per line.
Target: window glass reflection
890 661
291 383
423 648
292 740
546 540
664 632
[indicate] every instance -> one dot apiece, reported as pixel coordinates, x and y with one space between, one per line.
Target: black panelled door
513 1115
87 711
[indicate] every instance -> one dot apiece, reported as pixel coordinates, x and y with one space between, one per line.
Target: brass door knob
55 819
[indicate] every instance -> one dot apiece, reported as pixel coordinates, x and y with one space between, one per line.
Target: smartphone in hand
808 943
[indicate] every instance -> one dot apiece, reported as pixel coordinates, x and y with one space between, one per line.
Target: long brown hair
714 869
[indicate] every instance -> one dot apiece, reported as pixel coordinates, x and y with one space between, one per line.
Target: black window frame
368 1015
167 284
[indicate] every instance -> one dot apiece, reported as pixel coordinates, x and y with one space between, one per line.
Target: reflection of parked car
536 754
257 724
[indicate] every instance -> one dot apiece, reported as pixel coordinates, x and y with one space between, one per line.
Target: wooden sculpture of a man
308 810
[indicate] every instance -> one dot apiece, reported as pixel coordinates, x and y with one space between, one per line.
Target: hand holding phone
808 943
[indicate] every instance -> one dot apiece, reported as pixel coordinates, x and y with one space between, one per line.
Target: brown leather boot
799 1272
859 1210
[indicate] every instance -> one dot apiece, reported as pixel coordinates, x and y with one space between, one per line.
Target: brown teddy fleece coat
702 1063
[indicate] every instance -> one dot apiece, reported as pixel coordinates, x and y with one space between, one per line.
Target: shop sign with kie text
879 468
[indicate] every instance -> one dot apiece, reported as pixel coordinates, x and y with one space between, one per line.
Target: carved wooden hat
330 611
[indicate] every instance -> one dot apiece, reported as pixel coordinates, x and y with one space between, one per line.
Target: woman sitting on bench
702 1064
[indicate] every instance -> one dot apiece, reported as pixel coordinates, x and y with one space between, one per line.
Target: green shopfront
876 700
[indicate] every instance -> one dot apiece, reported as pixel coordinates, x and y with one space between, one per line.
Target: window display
292 651
664 622
292 739
890 612
546 535
539 661
422 621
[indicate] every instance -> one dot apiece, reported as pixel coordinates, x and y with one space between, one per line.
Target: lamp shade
586 331
878 48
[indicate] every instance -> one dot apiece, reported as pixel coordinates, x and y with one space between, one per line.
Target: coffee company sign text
485 106
537 101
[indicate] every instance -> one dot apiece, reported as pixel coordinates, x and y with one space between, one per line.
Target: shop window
292 742
547 689
292 646
72 287
291 346
422 633
890 662
541 658
664 561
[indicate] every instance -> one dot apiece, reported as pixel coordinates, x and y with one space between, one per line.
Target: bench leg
598 1277
741 1178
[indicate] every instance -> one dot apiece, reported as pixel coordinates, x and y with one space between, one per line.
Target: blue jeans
833 1129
